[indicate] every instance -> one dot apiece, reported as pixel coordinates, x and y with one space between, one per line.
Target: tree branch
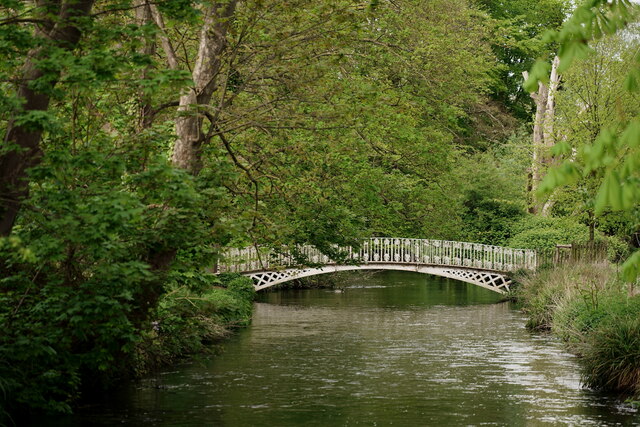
172 58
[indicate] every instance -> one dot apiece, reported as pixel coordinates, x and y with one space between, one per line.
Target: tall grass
613 359
596 314
541 294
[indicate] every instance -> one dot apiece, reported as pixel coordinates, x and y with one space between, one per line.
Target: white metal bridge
483 265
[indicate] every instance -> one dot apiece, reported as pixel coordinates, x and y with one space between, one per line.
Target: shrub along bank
596 314
187 322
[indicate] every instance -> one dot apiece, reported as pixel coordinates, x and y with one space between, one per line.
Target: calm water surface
392 349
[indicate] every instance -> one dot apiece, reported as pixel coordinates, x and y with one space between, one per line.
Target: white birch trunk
549 117
548 133
540 98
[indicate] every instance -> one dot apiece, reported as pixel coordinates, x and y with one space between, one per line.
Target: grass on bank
597 314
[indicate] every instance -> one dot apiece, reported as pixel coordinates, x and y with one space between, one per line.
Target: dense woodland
142 138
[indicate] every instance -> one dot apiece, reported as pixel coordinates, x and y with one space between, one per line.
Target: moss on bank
596 314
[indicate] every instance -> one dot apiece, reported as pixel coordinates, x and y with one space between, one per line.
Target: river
392 349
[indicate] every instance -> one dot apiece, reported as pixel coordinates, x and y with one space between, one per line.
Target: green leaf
575 49
562 148
602 198
631 83
631 135
631 267
37 120
615 191
610 193
539 73
628 196
596 154
565 174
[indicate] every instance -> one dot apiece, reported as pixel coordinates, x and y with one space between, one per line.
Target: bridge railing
385 250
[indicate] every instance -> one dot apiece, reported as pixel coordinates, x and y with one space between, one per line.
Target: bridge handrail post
484 256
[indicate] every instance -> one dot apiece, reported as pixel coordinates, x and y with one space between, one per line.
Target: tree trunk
550 110
24 141
540 98
213 41
172 58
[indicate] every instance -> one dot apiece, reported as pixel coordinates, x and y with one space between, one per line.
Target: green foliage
517 40
179 9
489 221
84 269
536 232
589 307
367 139
631 267
544 293
492 193
538 295
617 249
242 287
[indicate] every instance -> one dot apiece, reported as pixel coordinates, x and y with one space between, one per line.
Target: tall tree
615 151
593 98
543 134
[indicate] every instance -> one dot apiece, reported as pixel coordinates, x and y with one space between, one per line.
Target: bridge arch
492 280
483 265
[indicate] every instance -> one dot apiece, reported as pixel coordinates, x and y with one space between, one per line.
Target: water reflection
398 348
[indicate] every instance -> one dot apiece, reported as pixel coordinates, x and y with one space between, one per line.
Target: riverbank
188 323
596 314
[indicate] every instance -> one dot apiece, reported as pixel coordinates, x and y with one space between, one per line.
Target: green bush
225 278
538 295
488 221
243 287
536 232
617 249
85 268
